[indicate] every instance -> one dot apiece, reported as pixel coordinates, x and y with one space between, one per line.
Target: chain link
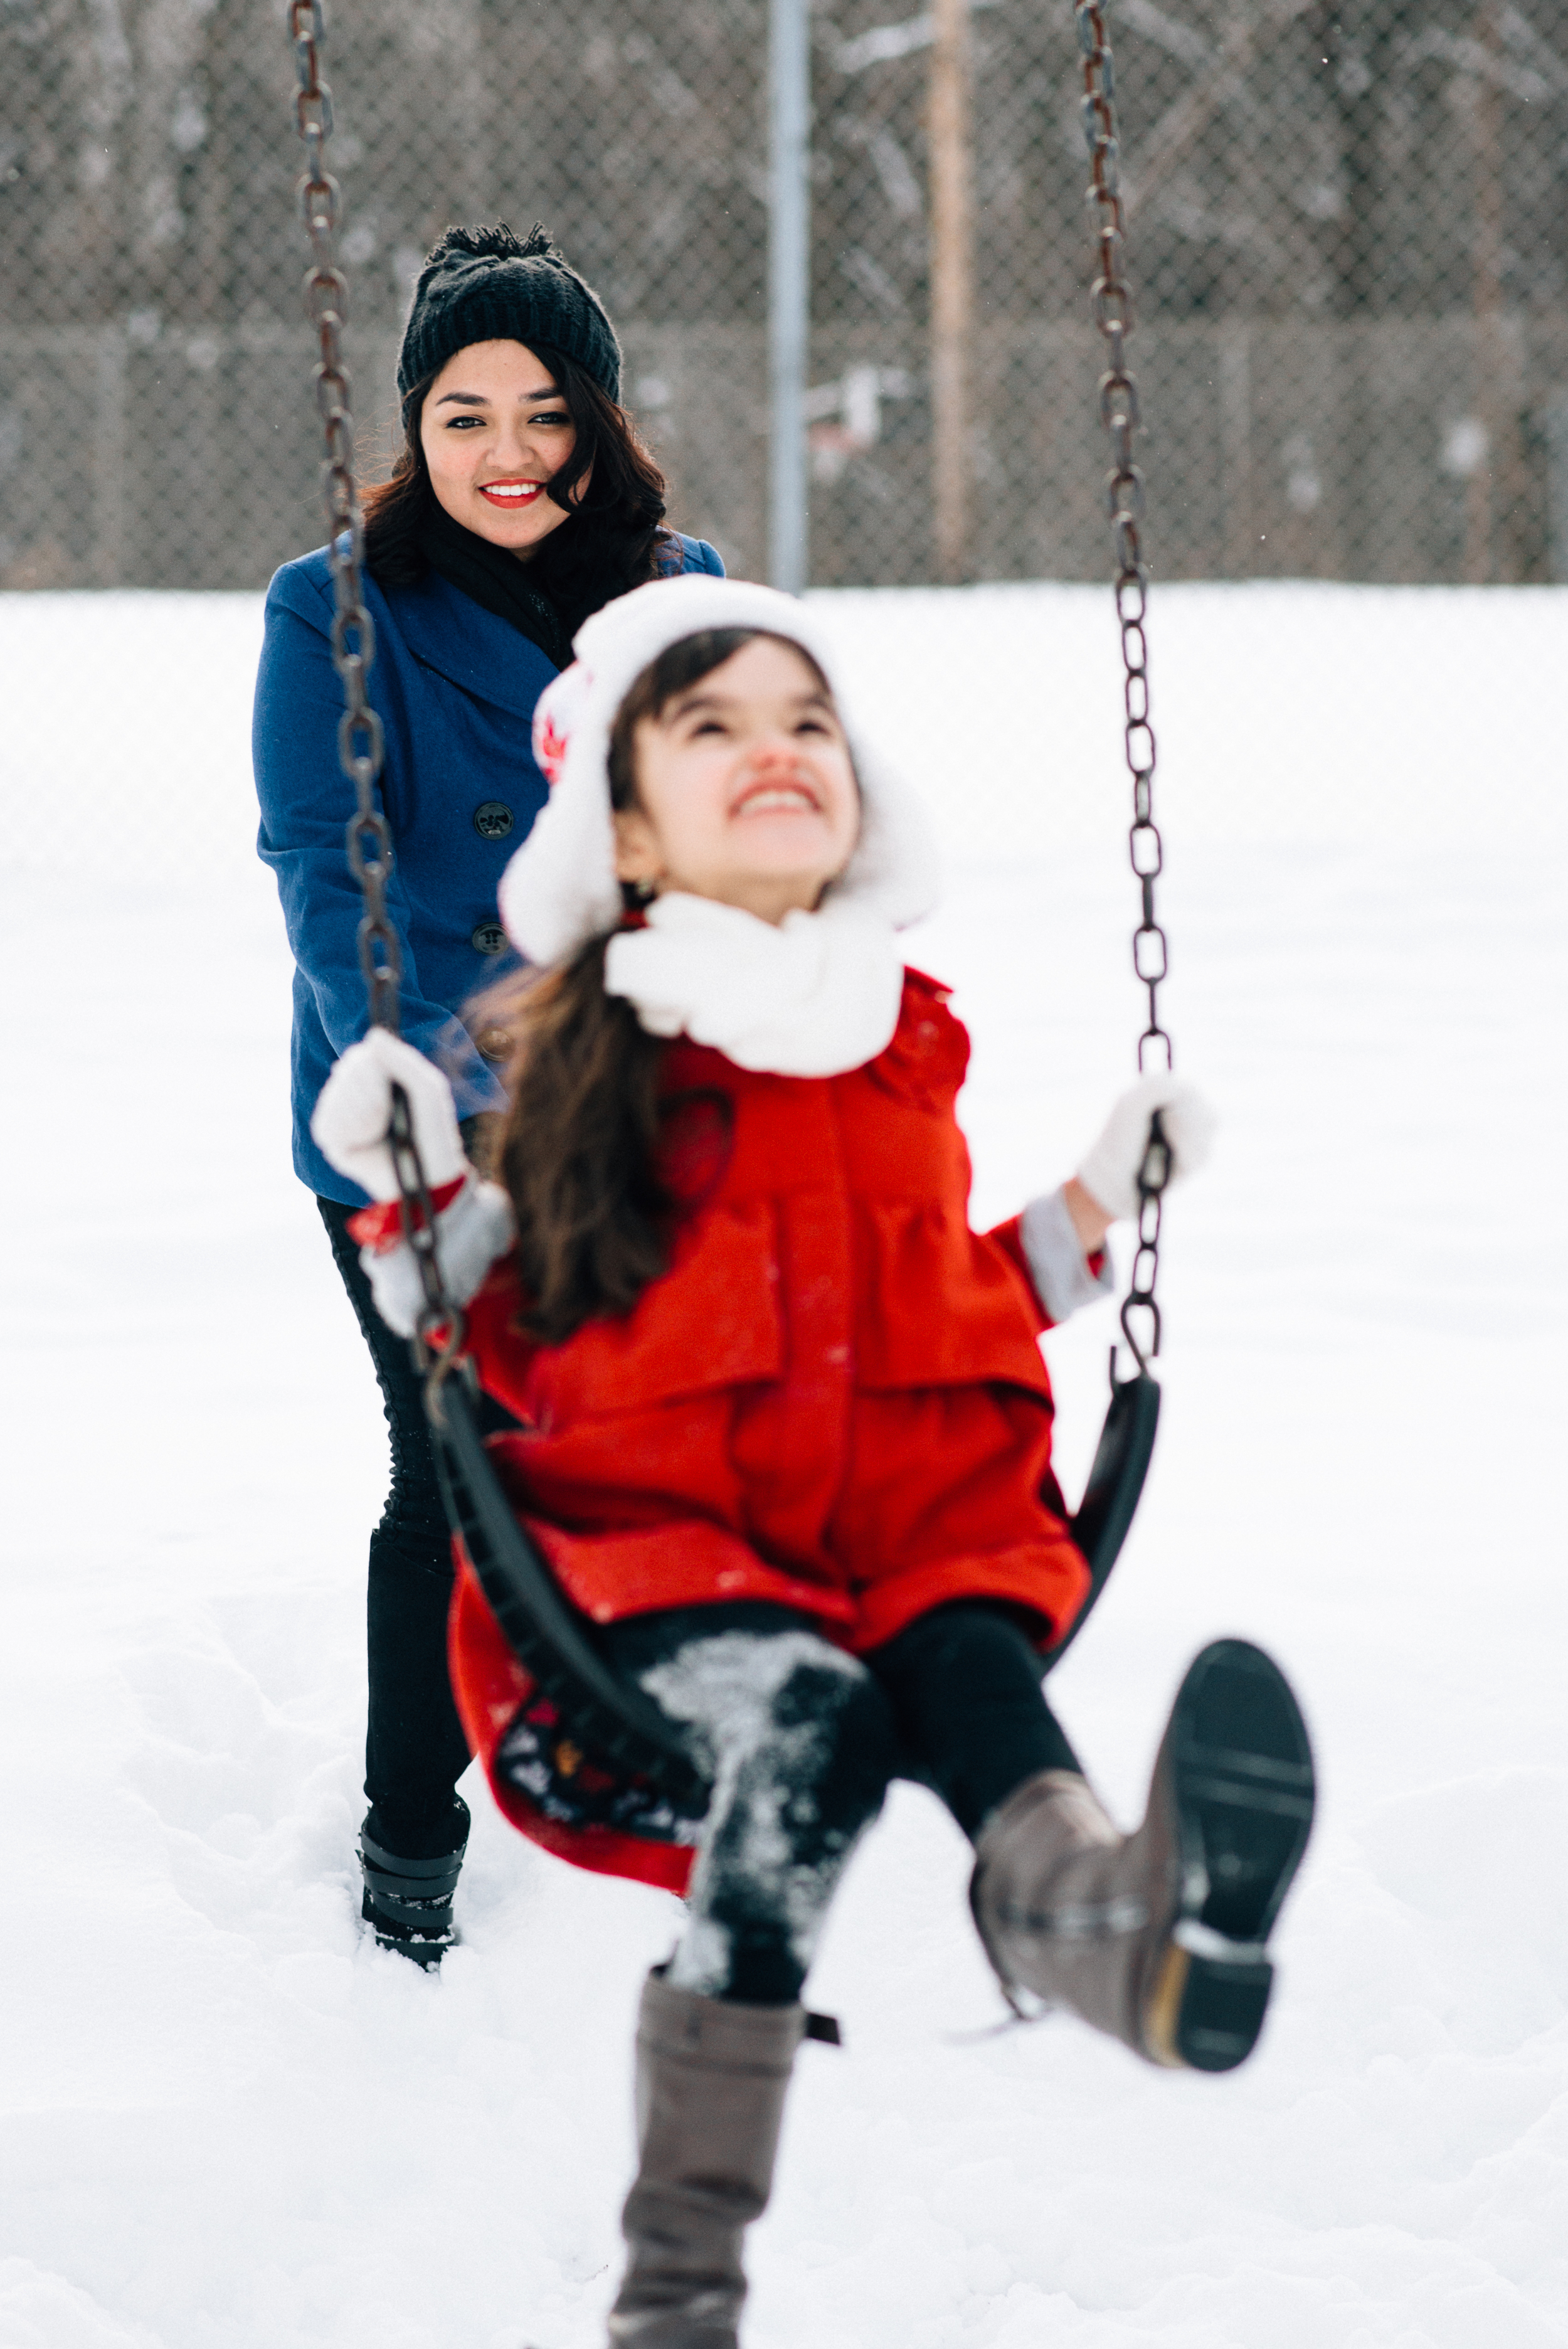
440 1330
1118 410
359 739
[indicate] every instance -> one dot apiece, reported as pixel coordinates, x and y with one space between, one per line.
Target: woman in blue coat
521 500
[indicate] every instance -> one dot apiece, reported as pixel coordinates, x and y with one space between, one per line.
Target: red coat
834 1399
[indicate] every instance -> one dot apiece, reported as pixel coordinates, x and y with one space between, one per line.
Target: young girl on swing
777 1419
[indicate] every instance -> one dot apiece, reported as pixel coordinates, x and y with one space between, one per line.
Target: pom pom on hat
561 889
497 243
488 285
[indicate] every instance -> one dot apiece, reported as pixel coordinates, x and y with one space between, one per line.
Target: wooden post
1498 487
109 452
950 139
1238 549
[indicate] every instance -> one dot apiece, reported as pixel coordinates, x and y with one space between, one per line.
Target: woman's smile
510 493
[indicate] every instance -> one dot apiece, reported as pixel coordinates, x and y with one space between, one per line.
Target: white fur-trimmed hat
561 887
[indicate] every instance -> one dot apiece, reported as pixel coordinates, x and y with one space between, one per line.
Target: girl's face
745 792
494 430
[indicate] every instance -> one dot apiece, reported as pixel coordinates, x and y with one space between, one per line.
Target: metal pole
949 134
789 288
1481 500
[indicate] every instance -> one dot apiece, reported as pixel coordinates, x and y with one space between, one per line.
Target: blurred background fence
1348 241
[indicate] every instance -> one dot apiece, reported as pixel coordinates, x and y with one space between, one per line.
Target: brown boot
1158 1938
711 2083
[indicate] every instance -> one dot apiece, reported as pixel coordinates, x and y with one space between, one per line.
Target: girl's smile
765 799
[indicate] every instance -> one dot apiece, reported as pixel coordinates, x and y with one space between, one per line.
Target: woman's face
746 791
494 430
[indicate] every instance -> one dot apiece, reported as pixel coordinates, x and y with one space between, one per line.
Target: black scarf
495 579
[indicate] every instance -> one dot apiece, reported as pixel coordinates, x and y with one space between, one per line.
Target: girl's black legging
414 1749
802 1742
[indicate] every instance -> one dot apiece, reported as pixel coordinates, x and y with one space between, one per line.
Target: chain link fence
1347 241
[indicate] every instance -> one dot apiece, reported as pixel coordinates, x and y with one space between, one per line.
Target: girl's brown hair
613 540
578 1148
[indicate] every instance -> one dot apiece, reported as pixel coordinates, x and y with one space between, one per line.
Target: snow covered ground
231 2125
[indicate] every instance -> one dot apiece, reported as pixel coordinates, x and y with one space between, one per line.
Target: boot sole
1242 1789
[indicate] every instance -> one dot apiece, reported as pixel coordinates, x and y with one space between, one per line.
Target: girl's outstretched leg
1159 1938
800 1745
965 1685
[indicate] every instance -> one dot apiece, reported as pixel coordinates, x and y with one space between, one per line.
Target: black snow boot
408 1893
712 2079
1159 1938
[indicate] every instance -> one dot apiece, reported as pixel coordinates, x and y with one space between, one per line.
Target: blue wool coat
454 688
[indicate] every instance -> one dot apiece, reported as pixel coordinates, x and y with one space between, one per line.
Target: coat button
488 938
493 820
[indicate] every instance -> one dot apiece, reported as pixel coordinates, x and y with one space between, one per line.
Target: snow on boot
409 1898
711 2082
1158 1938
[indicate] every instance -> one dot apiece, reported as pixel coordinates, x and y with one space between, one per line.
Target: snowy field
230 2124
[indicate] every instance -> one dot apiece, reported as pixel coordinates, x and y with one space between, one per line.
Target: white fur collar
815 996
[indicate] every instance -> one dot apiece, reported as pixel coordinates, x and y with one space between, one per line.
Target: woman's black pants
414 1749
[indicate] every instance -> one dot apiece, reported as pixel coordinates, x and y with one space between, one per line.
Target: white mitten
1110 1170
355 1109
477 1227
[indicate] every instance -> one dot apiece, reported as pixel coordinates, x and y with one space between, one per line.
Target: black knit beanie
481 286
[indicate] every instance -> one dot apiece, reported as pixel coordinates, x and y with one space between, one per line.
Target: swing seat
621 1726
604 1780
1115 1485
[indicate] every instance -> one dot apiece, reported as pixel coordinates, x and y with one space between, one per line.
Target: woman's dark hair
610 542
585 1148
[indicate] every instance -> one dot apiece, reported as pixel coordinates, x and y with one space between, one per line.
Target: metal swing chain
1119 410
360 745
359 740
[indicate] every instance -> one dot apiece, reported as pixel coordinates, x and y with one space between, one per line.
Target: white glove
1110 1170
350 1120
470 1234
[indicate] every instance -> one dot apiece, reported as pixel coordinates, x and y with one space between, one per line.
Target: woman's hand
1107 1177
355 1110
470 1234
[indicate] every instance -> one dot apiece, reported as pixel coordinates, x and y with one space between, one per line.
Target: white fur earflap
561 887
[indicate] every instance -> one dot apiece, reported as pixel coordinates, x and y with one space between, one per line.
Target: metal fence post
788 289
950 136
1554 426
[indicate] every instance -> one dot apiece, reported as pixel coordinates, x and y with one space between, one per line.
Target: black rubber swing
555 1645
552 1639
